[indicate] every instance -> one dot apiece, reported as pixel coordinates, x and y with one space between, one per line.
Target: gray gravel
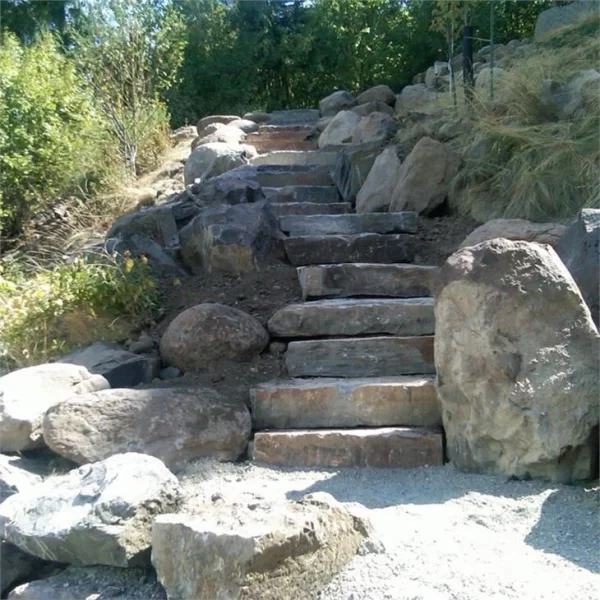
439 534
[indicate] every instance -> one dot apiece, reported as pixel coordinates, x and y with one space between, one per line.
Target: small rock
143 344
277 348
170 373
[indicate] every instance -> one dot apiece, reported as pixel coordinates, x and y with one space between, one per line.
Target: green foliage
523 162
71 304
130 51
51 137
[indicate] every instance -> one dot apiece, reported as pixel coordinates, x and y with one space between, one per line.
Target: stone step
287 137
294 157
326 403
274 144
381 447
364 279
361 248
301 116
353 317
282 209
361 357
400 222
279 176
321 194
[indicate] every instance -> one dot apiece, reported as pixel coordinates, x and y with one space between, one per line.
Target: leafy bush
45 315
51 138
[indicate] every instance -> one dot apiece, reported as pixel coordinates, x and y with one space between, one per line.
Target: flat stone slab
310 208
321 194
381 447
299 116
361 357
396 316
295 157
361 248
278 177
364 279
325 403
401 222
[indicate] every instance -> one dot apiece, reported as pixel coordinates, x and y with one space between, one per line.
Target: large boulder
14 477
99 514
231 239
415 99
363 110
579 249
121 368
225 134
376 127
238 186
271 552
93 583
378 93
339 130
246 125
549 21
433 74
516 229
258 116
425 177
210 160
576 98
26 395
201 423
516 354
203 123
206 333
352 168
336 102
376 193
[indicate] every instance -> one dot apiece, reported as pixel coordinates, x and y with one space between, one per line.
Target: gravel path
440 534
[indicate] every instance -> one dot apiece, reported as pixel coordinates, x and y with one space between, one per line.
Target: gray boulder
93 583
516 353
257 116
231 239
576 98
334 103
119 367
376 127
206 333
554 18
415 99
214 119
213 159
339 130
26 395
352 168
424 177
220 134
246 125
99 514
272 552
200 423
14 477
516 229
579 249
363 110
378 93
376 193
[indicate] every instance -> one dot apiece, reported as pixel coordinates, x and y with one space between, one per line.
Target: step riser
272 145
365 248
361 357
288 178
347 281
354 318
310 208
387 448
322 159
350 224
318 404
303 193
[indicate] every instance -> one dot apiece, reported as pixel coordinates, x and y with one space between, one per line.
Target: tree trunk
468 60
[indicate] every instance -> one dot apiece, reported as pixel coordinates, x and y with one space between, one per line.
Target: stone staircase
360 345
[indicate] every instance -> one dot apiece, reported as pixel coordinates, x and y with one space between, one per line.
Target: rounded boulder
206 333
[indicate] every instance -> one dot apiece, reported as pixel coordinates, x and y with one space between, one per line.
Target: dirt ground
263 292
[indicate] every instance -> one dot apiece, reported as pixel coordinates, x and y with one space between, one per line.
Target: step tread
321 194
399 222
373 447
377 356
366 279
355 248
310 208
355 316
353 402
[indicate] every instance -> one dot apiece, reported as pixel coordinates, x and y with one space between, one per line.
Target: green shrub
52 140
45 315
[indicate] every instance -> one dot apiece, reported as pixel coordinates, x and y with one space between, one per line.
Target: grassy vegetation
45 314
521 161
